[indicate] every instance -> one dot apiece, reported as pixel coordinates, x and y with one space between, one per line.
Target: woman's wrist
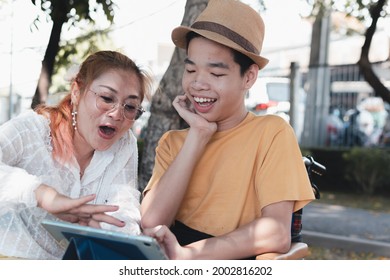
43 193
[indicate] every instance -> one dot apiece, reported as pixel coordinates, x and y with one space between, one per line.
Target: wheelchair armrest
298 250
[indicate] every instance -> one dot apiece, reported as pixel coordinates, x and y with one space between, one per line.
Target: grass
379 203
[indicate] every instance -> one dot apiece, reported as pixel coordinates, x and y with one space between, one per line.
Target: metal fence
349 114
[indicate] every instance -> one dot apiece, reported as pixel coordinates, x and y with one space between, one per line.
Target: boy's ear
251 75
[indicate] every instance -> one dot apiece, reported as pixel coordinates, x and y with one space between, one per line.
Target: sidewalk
347 228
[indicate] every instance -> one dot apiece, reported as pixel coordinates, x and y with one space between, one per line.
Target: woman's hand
168 242
75 210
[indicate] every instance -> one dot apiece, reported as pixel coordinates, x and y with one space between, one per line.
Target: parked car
271 95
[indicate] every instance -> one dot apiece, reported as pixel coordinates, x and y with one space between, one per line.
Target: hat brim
179 35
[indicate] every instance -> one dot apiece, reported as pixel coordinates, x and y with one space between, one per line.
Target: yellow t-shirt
242 170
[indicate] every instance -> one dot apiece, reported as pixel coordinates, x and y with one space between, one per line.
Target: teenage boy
226 186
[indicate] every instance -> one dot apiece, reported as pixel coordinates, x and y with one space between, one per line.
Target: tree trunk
48 61
163 116
364 62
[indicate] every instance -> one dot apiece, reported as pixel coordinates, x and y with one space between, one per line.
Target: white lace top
26 162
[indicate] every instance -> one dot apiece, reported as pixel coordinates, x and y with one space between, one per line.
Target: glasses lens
106 102
132 111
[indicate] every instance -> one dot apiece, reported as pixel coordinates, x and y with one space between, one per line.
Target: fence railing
348 114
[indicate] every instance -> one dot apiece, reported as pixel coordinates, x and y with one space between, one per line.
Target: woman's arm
75 210
16 184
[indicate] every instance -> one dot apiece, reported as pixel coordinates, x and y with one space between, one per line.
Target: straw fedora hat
230 23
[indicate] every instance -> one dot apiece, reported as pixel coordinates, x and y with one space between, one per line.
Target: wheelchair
298 249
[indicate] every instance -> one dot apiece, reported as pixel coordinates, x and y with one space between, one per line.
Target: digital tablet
104 244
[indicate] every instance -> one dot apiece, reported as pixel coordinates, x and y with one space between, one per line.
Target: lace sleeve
16 184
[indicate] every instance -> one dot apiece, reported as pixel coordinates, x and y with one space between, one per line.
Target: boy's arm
270 233
161 203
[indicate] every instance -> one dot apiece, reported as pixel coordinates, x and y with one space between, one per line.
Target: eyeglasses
106 102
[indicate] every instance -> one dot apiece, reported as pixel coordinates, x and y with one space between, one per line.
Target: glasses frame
140 109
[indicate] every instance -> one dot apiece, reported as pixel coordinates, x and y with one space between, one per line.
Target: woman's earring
74 121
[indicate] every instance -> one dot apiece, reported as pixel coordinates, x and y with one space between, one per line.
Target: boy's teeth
202 99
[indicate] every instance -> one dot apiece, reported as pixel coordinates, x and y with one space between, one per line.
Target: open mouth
202 101
107 130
